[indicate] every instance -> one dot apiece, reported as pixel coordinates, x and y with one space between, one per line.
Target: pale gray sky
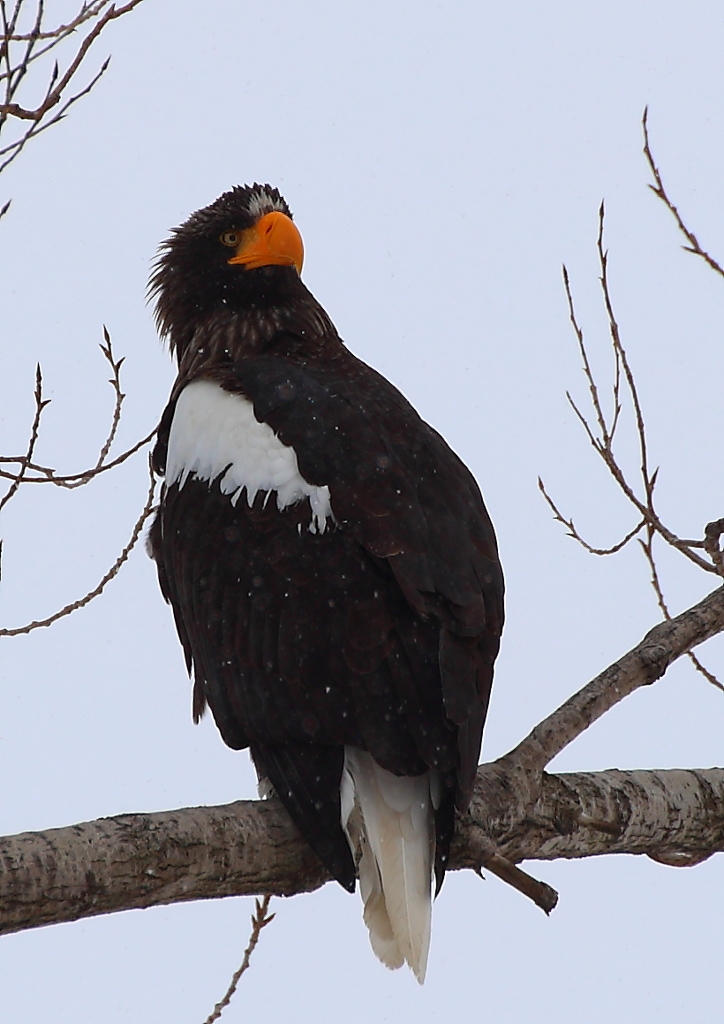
442 160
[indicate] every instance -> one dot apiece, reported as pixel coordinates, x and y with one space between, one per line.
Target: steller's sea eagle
332 569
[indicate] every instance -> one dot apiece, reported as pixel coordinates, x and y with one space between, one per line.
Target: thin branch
621 352
603 446
573 532
16 148
659 190
76 479
87 11
112 572
709 676
53 96
260 919
115 382
605 436
40 405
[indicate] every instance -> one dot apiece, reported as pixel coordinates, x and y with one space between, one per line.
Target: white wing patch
215 433
390 821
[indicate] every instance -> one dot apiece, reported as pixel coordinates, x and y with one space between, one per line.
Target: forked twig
260 919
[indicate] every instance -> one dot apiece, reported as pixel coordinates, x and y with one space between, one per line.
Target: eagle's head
242 253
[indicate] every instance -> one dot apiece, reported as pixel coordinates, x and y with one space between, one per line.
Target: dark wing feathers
308 776
379 633
405 496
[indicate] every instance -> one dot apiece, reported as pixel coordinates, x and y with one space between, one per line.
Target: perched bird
331 567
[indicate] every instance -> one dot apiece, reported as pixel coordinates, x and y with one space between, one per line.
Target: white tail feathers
389 821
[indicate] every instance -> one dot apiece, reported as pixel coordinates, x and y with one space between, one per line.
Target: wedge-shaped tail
390 824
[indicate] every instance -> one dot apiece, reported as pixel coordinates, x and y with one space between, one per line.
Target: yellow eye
231 238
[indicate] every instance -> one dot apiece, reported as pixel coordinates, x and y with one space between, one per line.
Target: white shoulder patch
215 433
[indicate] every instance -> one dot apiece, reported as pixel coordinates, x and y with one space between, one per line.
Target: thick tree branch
251 847
517 813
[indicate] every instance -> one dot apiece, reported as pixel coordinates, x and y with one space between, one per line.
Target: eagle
332 570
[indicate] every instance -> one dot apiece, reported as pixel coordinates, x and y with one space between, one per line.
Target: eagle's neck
228 335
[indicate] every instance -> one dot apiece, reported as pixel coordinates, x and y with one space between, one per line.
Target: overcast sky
442 161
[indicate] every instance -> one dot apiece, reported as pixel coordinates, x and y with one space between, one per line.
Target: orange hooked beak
273 240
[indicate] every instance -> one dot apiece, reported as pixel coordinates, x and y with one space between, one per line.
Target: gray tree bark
518 812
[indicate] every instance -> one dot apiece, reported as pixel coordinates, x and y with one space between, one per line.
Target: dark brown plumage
378 633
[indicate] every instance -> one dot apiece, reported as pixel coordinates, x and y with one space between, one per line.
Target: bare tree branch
518 813
650 523
603 444
251 847
19 50
73 480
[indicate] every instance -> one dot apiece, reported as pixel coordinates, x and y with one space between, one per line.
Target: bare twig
573 532
260 919
86 12
15 148
602 442
115 382
40 405
605 436
659 190
112 572
709 676
73 480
